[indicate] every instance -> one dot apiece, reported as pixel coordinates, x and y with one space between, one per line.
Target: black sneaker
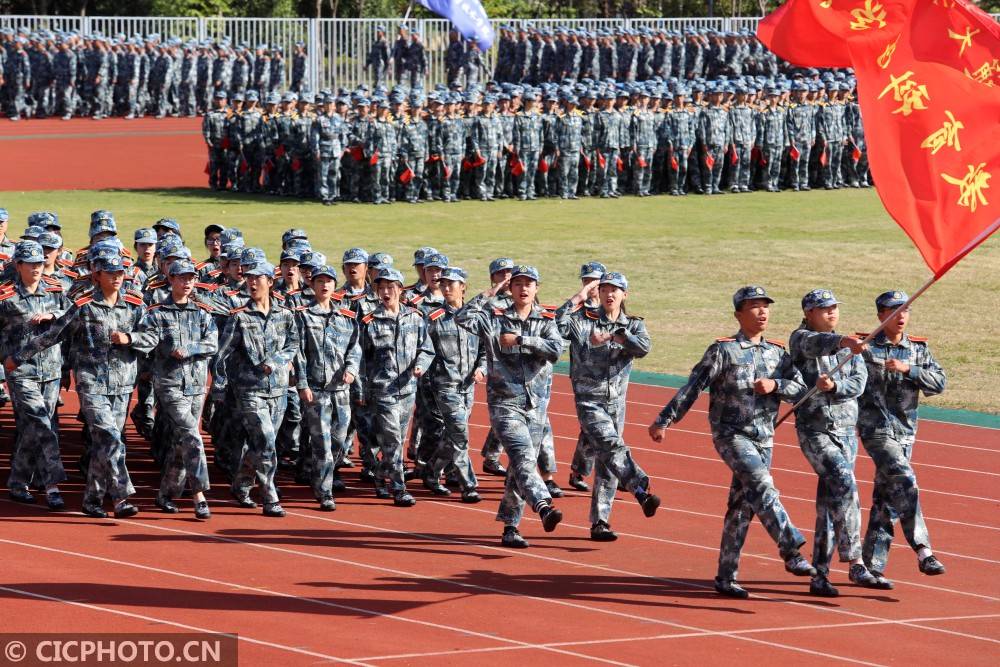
166 505
931 566
883 583
576 481
799 566
274 509
435 487
821 586
244 501
125 510
55 501
730 588
860 575
494 467
649 502
550 517
201 511
22 496
327 504
553 488
381 492
512 538
404 499
601 532
95 511
471 496
366 475
338 484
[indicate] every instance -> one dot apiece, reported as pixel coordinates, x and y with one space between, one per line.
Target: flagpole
813 390
406 16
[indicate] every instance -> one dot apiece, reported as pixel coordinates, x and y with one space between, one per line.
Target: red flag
516 166
244 166
296 164
929 89
602 161
794 153
673 162
477 161
208 167
543 166
447 170
856 154
225 143
734 157
641 161
280 150
757 156
374 159
709 161
824 159
619 165
268 166
406 176
586 160
357 153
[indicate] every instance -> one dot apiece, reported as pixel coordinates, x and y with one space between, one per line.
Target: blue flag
468 16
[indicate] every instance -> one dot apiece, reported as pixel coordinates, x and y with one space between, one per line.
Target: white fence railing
337 47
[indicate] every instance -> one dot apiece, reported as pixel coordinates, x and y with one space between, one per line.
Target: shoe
244 501
345 462
166 505
553 488
327 504
404 499
494 467
95 511
883 583
601 532
274 509
730 588
55 501
512 538
821 587
799 566
931 566
471 496
550 517
201 511
576 481
381 492
860 575
125 510
436 487
338 484
22 496
366 475
649 502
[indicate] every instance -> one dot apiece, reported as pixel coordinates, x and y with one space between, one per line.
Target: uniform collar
881 340
745 342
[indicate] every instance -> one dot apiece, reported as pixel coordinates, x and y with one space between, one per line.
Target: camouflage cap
420 253
33 232
324 270
819 298
390 274
614 278
435 259
178 252
182 267
50 240
233 251
501 264
145 235
454 273
30 252
592 270
525 270
380 260
312 259
891 299
168 223
750 292
102 223
292 234
110 264
262 268
4 215
44 219
252 256
355 256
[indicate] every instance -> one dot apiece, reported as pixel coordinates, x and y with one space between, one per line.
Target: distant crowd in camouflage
287 365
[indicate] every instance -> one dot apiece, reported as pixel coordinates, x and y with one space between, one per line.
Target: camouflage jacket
169 326
250 341
601 372
888 406
728 370
813 354
329 347
519 375
458 353
392 347
17 307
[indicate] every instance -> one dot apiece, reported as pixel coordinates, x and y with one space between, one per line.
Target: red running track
86 154
374 584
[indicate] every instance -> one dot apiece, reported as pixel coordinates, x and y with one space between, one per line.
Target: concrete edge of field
948 415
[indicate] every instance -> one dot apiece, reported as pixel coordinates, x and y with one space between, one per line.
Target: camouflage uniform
517 388
328 138
888 427
527 141
826 428
743 129
742 431
569 139
600 383
801 119
716 137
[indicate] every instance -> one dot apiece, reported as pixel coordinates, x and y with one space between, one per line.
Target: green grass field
684 257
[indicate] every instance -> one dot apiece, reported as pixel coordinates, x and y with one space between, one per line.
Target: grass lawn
684 257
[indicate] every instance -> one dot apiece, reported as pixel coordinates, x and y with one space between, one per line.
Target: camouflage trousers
642 176
104 416
606 182
453 406
711 176
327 417
603 422
258 462
37 445
520 431
752 492
547 448
741 170
831 173
799 169
142 411
390 421
290 431
328 178
185 462
423 427
771 170
838 509
526 182
569 173
583 456
361 425
217 174
895 496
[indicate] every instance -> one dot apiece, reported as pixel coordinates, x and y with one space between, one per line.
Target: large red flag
929 87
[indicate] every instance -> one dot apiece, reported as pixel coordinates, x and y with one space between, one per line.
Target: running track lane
429 585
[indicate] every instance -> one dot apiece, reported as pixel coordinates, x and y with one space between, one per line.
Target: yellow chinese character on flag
946 136
869 15
908 92
970 188
965 40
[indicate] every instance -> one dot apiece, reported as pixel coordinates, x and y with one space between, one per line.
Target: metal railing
337 48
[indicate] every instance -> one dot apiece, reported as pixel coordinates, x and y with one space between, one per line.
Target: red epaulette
368 318
154 307
80 261
591 314
209 287
73 275
126 253
339 295
861 334
499 311
64 262
300 308
134 300
82 251
577 307
232 292
437 314
4 257
918 339
50 279
416 301
202 305
358 296
724 340
215 272
54 288
293 292
234 311
548 314
6 295
779 343
156 284
547 307
346 312
277 295
201 265
83 300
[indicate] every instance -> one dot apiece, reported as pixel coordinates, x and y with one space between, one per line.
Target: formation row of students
364 358
592 139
